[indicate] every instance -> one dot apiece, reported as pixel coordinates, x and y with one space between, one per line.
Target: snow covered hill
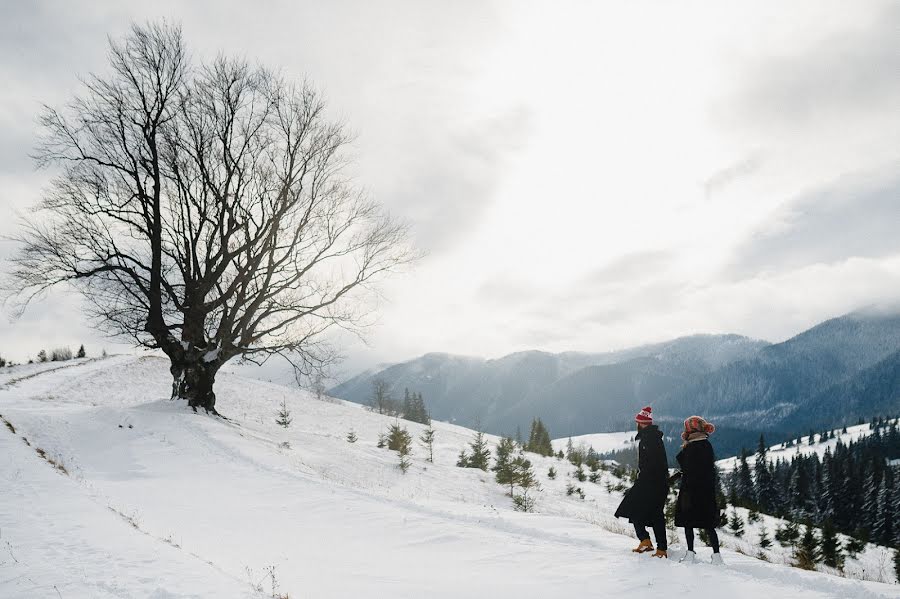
804 447
111 490
601 442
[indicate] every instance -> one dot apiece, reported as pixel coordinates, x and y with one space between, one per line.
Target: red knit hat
696 424
644 416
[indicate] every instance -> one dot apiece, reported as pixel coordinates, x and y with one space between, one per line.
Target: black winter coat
643 503
696 507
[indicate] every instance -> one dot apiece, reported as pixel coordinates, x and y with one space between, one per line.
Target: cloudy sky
583 175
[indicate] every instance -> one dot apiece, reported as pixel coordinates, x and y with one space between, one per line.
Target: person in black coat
696 506
644 502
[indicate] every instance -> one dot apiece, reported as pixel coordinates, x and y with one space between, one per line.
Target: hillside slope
162 503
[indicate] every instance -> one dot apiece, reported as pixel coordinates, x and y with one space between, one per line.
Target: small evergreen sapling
525 479
788 534
807 554
503 464
284 416
81 353
351 436
551 473
736 523
764 541
479 455
399 440
427 440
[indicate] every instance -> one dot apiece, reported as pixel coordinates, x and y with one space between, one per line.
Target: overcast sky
583 175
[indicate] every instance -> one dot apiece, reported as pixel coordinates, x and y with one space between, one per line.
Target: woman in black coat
696 506
644 502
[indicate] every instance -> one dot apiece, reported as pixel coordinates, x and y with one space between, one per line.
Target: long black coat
696 507
643 503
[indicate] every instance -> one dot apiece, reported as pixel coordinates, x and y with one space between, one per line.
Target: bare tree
381 400
202 210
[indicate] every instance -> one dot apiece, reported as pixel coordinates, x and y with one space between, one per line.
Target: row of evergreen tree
854 489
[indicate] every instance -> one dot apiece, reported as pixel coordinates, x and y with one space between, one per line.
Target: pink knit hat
696 424
644 416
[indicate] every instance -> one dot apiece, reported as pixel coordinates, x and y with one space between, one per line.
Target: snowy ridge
601 442
818 446
149 500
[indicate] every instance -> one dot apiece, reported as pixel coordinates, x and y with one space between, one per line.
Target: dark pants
710 532
659 531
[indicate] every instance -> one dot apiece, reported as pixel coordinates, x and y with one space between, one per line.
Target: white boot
717 559
689 557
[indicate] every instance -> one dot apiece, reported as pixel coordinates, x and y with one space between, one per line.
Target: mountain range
830 375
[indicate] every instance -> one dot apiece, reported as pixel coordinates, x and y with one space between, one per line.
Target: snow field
160 502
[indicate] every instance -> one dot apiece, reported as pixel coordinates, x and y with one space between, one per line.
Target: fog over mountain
835 372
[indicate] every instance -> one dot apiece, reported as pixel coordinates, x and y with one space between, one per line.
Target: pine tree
399 440
831 547
871 492
427 440
503 463
551 473
764 485
479 455
284 415
883 530
526 481
807 554
42 356
539 439
744 486
81 353
897 563
764 541
788 534
736 524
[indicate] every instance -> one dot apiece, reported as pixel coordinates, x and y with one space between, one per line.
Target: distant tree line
411 408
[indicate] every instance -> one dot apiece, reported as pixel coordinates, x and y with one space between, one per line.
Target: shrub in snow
2 361
580 475
284 415
61 354
571 489
42 356
551 473
351 437
81 353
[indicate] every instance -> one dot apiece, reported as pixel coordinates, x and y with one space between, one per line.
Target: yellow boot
644 547
661 553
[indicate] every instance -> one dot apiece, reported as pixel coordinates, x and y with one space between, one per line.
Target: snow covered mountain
832 374
110 490
574 393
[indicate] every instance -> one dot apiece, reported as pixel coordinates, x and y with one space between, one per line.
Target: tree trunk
193 380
